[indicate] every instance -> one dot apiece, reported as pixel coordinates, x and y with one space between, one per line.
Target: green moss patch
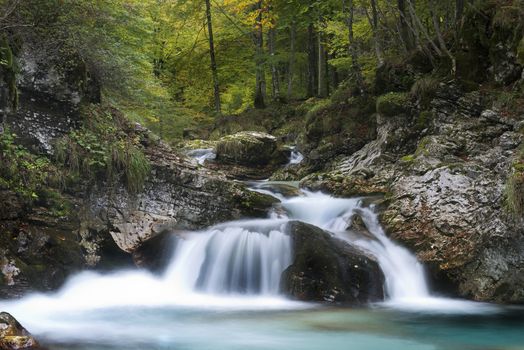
393 103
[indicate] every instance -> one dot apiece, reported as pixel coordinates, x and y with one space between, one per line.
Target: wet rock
15 337
249 148
38 252
156 253
446 190
177 195
330 270
342 186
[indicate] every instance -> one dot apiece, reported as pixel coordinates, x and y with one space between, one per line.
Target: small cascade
201 155
245 257
404 275
295 157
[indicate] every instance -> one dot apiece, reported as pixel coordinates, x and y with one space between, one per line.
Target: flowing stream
221 291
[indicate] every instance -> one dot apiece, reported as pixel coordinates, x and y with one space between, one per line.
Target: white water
235 265
201 155
296 157
244 257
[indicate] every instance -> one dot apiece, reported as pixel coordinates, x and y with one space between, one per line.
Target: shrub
105 148
21 171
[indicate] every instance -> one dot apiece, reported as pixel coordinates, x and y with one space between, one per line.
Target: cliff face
446 188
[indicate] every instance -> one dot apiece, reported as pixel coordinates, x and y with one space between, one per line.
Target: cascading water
296 157
404 274
244 257
201 155
231 266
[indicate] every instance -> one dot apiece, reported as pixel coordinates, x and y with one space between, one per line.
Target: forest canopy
157 59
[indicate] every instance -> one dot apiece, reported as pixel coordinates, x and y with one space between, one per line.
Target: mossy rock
341 185
393 103
246 148
520 52
256 204
339 128
424 119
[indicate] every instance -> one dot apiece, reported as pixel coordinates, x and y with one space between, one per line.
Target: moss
410 158
424 119
8 71
520 52
422 146
424 89
515 194
393 103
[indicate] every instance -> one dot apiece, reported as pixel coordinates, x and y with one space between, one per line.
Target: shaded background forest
152 58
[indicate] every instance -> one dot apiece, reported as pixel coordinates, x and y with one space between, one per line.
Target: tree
216 88
258 37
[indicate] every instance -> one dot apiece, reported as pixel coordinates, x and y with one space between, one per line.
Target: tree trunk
355 67
312 69
459 14
404 28
260 88
335 78
275 83
441 41
322 86
376 37
291 68
216 88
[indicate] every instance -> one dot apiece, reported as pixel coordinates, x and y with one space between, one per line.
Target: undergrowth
105 148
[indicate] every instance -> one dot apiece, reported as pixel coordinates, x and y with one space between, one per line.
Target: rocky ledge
445 173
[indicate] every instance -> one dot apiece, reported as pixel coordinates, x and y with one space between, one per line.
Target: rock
12 206
15 337
446 196
393 103
156 253
177 195
330 270
38 251
342 186
249 148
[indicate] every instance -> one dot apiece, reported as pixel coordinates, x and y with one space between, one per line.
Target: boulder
330 270
15 337
250 148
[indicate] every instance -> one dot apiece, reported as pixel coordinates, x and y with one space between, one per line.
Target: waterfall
295 157
202 154
239 265
403 273
246 257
